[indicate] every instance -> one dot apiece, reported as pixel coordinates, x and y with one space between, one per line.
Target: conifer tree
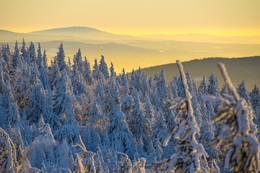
42 70
243 92
32 53
62 101
53 74
202 89
213 85
61 58
36 100
44 60
24 51
173 87
87 72
78 82
8 107
7 153
112 70
16 59
255 102
121 138
96 72
6 54
103 67
78 60
141 129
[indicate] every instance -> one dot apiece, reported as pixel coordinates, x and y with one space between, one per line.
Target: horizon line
129 34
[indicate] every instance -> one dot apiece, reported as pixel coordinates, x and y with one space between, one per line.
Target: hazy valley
125 51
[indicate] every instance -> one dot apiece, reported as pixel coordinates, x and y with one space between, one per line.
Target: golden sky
135 17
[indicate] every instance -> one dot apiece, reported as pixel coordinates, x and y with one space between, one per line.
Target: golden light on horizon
150 19
222 17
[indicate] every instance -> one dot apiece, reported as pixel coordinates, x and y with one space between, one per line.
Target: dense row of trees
69 117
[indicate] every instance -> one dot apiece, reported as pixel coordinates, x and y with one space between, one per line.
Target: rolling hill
132 52
246 68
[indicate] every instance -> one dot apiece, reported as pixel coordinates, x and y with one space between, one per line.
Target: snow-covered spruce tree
16 136
6 54
141 129
42 70
213 85
99 93
161 85
160 132
240 144
135 80
202 89
103 67
42 151
25 54
16 59
225 91
61 58
144 90
78 60
149 111
9 113
112 70
87 72
23 49
180 89
63 107
97 75
189 155
173 87
121 138
242 91
8 162
124 89
62 100
100 164
207 112
190 83
78 81
255 100
44 61
53 74
91 138
69 64
255 103
32 53
37 99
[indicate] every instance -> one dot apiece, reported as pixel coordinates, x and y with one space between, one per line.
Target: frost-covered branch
239 143
228 81
189 155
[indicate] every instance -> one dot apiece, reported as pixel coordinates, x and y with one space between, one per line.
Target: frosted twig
228 82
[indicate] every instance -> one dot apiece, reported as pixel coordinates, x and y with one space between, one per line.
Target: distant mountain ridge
245 68
63 34
127 51
70 29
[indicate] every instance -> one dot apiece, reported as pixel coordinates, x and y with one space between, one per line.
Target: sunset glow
222 17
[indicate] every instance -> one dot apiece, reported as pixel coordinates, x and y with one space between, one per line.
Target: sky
135 17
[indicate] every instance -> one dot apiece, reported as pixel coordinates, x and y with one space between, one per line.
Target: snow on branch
240 143
189 155
228 81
